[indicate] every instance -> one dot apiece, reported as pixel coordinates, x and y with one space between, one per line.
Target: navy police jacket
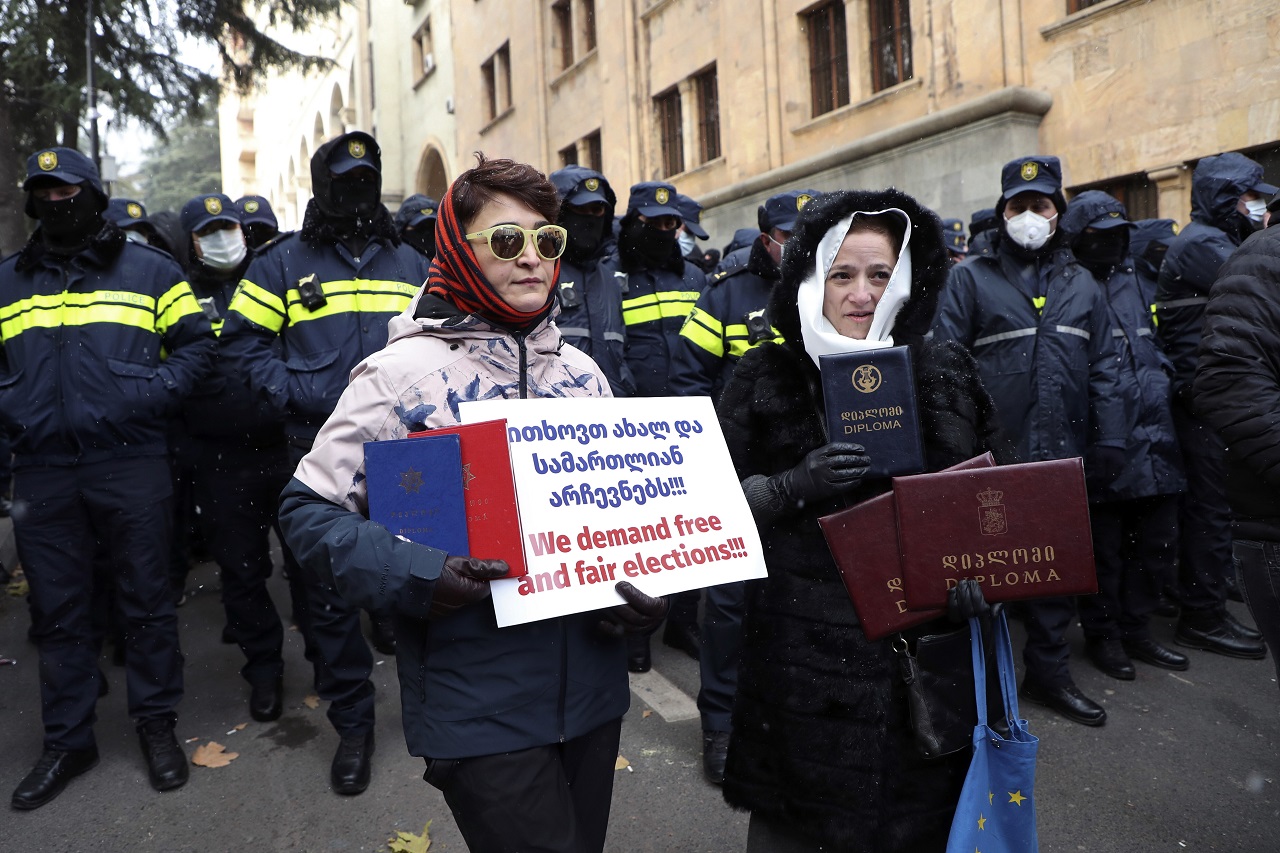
96 350
729 318
1049 362
1154 465
591 317
655 304
329 310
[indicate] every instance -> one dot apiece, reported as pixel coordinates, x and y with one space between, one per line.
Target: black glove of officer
827 471
640 615
965 601
463 581
1108 463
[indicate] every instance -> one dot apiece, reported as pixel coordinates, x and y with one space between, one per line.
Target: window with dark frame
890 43
707 91
589 26
671 128
569 155
594 151
424 60
1140 197
828 57
504 75
1074 6
490 77
562 12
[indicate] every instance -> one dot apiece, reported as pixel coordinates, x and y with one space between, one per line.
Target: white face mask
222 250
687 243
1257 207
136 237
1030 230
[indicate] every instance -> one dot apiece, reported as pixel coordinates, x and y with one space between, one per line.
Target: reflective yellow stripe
739 339
177 303
217 327
78 309
362 295
704 331
1039 303
1155 318
259 306
658 306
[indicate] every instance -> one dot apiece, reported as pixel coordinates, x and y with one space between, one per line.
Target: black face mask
358 197
586 234
1102 251
71 220
1154 254
654 247
257 233
422 238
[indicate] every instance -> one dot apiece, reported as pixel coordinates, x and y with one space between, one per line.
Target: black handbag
940 695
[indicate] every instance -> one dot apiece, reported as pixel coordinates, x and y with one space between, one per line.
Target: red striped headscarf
456 276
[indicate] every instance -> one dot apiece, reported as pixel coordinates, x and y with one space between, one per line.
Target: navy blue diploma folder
870 398
415 490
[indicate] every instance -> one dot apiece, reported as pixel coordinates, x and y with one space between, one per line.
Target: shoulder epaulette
724 275
274 241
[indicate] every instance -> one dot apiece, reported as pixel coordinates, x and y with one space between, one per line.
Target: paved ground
1188 761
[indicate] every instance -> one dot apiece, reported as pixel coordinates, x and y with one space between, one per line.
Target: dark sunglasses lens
507 243
550 242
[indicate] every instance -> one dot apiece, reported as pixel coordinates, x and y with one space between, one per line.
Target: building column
1173 184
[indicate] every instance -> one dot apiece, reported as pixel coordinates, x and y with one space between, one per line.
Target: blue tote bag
997 809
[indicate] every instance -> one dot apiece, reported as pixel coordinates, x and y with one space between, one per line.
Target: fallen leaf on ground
407 842
241 727
213 754
645 714
621 763
312 701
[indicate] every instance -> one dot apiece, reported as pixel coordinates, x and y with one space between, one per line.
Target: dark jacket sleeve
370 566
694 367
1237 383
1107 405
254 320
1186 277
186 336
956 309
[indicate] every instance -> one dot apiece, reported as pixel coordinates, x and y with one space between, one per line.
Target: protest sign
641 490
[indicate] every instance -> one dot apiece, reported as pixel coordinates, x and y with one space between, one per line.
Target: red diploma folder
493 520
1022 531
864 542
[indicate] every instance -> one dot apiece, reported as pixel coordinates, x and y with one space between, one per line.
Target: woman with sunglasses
521 722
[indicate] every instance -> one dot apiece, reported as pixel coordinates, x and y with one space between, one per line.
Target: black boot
352 766
167 764
266 700
1067 700
715 752
1210 632
683 636
51 774
1109 656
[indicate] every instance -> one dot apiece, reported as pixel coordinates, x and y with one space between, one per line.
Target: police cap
781 211
579 185
691 213
653 198
205 209
126 213
953 235
255 210
1039 173
352 151
415 210
51 166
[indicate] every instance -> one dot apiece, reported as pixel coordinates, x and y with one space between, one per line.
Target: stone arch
317 132
337 124
290 192
433 175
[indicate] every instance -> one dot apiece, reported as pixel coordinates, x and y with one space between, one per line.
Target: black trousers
120 508
1258 570
721 648
335 645
548 799
238 504
1135 547
1047 653
1204 542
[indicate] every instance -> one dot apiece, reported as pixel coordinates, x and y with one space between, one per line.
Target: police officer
323 295
87 395
739 246
416 223
234 451
131 217
659 289
983 228
729 319
589 291
257 220
691 231
1227 205
1036 323
1149 240
1135 516
953 236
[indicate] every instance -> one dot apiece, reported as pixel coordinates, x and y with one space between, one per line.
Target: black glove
463 581
965 601
1108 463
640 615
827 471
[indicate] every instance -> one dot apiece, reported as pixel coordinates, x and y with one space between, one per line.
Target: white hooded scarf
820 337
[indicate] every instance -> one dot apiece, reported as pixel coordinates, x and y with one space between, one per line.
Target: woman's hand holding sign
641 614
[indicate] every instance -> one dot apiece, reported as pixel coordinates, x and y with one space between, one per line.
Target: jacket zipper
71 438
524 367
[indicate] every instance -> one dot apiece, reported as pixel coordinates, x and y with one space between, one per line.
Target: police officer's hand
640 615
463 581
827 471
1107 463
965 601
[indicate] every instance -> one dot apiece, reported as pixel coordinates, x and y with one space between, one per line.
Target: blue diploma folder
415 490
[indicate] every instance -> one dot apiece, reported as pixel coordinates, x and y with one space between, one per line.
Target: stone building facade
733 100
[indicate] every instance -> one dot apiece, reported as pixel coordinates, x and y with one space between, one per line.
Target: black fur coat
821 741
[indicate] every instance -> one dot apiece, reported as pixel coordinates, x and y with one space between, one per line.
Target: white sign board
641 490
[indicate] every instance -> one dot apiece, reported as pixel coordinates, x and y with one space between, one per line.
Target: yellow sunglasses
507 242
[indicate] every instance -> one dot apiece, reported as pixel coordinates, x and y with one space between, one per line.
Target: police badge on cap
48 160
356 149
213 206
